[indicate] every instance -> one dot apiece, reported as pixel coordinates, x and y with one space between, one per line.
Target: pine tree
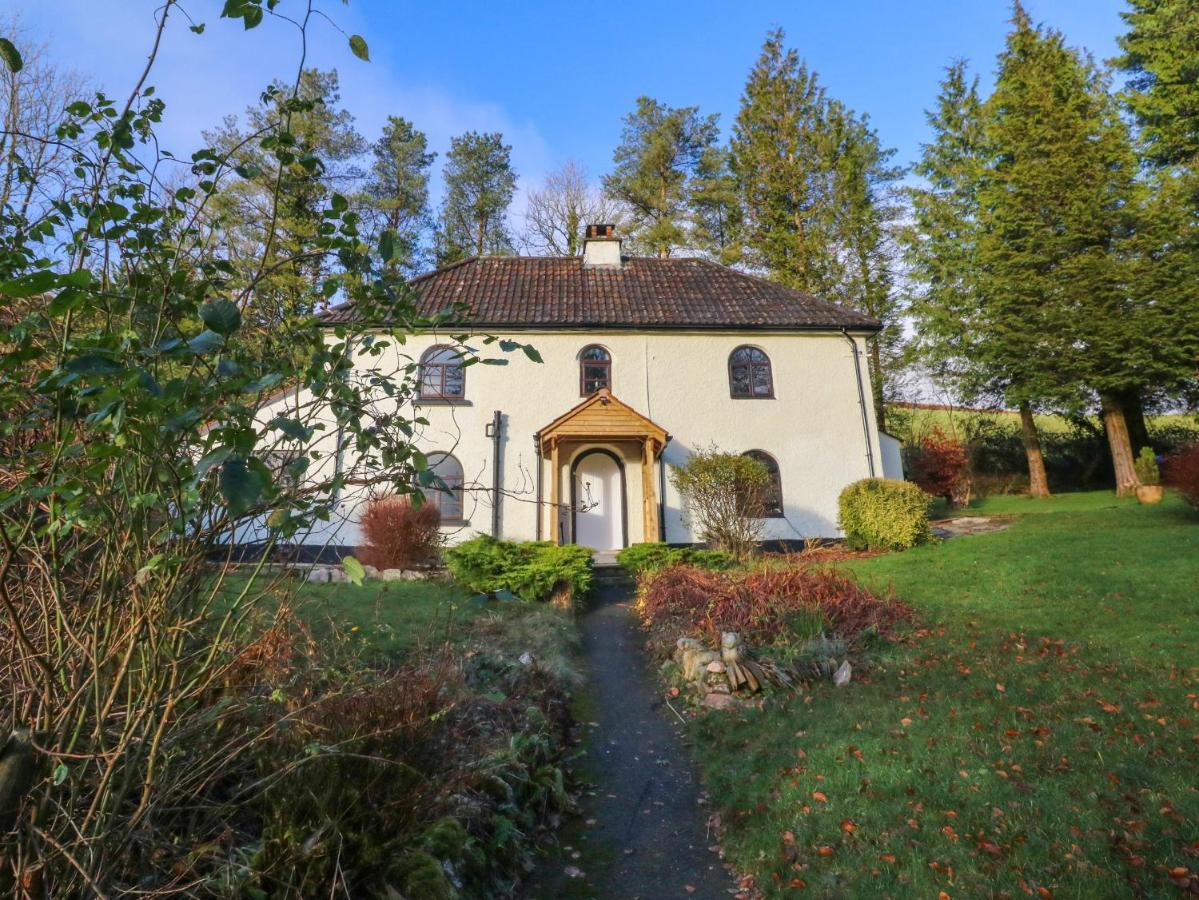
716 207
479 186
783 157
397 192
1054 211
655 166
941 250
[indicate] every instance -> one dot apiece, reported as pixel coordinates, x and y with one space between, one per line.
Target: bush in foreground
533 570
884 514
1181 472
764 606
399 535
641 558
727 495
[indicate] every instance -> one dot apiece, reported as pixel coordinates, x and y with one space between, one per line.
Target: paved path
646 832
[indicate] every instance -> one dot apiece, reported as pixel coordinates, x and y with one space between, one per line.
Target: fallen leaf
848 827
888 857
826 851
819 797
999 687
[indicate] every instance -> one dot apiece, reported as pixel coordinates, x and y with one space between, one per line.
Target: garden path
646 832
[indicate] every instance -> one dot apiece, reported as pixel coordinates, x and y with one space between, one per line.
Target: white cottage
645 361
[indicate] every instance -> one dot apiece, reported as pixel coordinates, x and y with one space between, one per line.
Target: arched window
441 374
774 495
595 370
749 374
447 496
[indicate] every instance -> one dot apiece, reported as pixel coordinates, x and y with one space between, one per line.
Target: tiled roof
644 293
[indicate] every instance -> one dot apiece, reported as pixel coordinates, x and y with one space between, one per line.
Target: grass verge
1039 735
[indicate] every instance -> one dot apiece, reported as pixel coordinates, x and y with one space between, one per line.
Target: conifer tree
479 187
1054 213
816 186
941 250
783 158
1161 54
655 167
397 191
716 207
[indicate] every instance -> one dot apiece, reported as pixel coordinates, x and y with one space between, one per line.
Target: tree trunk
1134 418
1038 481
1117 437
876 371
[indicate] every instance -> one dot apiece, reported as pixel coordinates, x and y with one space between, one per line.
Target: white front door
599 506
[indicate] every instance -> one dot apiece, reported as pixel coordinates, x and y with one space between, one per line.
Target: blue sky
556 78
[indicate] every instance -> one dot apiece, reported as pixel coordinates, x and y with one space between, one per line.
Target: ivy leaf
60 774
12 58
198 28
240 485
354 570
531 353
358 47
67 299
222 316
387 245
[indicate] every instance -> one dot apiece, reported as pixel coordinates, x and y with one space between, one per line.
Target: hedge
884 514
641 558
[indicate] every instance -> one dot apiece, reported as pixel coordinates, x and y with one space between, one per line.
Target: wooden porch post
649 498
555 490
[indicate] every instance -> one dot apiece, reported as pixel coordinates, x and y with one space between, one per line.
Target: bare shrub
727 496
398 534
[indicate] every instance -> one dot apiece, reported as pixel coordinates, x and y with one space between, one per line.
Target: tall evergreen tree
655 166
1054 210
783 156
867 216
397 190
816 184
941 250
479 186
716 207
1161 55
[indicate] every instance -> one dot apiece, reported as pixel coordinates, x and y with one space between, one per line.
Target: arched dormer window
441 374
595 370
749 374
448 496
774 495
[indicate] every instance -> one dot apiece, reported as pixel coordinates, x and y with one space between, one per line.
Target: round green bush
884 514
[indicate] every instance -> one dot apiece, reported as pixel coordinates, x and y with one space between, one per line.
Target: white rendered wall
812 427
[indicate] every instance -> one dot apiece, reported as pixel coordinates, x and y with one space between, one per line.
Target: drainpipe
662 491
495 432
857 369
537 456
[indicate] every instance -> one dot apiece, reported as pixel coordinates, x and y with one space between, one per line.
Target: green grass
1041 729
387 621
920 421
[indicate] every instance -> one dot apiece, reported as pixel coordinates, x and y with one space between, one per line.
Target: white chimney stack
601 247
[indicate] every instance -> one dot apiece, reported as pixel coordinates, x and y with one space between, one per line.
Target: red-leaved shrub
1181 472
757 605
940 465
399 535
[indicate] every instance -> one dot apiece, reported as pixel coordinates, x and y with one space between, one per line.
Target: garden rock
716 667
843 674
317 575
720 701
338 576
392 575
370 571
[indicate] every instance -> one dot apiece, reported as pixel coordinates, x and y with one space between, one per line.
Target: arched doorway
599 514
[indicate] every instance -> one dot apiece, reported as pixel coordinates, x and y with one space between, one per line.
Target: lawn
385 622
1038 735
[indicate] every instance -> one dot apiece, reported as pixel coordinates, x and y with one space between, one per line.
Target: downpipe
857 370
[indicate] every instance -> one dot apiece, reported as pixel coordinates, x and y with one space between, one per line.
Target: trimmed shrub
533 570
940 465
1181 472
765 607
399 535
884 514
1146 466
641 558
